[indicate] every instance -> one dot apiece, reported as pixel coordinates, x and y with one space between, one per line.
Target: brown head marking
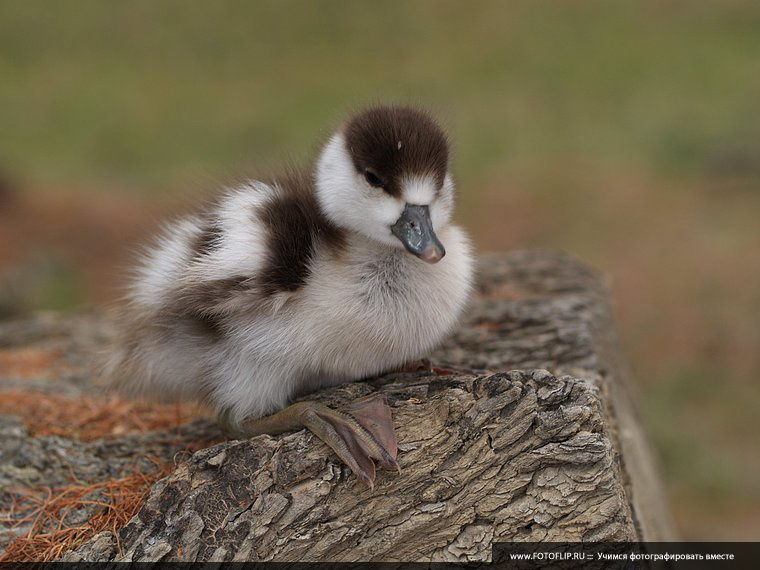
387 143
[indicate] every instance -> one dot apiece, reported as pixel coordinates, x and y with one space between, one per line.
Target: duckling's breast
369 311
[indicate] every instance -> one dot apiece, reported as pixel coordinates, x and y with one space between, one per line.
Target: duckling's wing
200 261
253 249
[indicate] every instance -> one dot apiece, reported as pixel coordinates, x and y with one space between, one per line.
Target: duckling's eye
372 178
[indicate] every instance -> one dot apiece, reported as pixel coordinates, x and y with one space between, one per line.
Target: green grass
154 93
694 419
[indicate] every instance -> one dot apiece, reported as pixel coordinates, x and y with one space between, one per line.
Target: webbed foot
360 435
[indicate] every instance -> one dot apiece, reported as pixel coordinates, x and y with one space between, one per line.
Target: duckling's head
385 175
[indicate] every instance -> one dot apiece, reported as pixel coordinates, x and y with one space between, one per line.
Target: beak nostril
415 230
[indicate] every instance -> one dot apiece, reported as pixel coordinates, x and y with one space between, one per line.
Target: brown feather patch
296 227
210 237
392 142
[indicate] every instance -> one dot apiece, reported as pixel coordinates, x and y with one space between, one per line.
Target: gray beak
415 230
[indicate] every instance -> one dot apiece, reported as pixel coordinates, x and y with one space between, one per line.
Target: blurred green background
627 133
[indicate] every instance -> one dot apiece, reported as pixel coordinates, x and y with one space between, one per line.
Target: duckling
312 279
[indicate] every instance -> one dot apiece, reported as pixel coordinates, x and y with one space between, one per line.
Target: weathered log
534 437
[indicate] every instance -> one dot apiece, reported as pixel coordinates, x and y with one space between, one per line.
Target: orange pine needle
48 537
88 418
85 419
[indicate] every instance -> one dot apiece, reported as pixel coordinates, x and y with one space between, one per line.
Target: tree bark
534 437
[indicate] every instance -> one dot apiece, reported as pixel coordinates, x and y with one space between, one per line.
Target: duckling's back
238 261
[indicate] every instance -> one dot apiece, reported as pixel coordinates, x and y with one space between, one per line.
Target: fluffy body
284 287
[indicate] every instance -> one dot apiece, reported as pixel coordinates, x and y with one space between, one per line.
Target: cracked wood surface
506 456
535 438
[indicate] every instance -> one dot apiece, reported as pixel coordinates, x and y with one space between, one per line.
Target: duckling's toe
360 435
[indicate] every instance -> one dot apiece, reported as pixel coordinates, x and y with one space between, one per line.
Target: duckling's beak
415 230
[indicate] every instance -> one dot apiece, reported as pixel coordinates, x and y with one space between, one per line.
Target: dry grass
28 362
88 418
46 509
49 511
